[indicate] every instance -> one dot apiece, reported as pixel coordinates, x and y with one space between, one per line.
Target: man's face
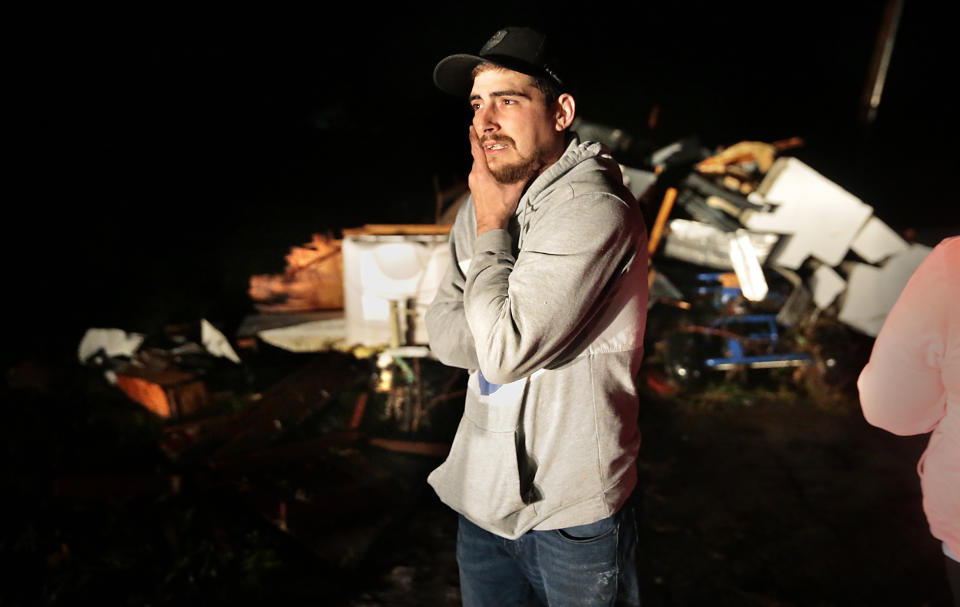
518 133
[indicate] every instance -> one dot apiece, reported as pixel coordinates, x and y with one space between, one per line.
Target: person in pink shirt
912 386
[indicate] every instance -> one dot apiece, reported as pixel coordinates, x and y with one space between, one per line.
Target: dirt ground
749 496
766 503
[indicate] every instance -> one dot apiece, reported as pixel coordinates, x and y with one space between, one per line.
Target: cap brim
454 75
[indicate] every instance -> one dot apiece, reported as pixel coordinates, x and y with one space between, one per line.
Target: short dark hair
549 90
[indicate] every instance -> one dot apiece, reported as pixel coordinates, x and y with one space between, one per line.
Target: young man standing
545 303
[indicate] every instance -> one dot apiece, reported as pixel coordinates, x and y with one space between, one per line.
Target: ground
780 502
749 495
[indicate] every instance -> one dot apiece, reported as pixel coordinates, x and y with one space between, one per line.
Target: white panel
114 342
378 269
821 217
876 241
826 284
871 291
313 336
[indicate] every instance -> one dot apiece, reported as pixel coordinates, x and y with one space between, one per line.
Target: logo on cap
493 41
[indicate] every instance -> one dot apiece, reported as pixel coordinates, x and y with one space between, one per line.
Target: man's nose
485 120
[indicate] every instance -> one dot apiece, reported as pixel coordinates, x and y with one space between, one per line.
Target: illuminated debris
747 267
167 374
871 291
826 285
109 343
391 274
313 280
801 199
876 241
703 244
762 154
312 336
797 222
215 342
168 393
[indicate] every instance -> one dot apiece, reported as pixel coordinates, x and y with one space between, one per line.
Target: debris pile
310 451
771 244
386 276
167 375
752 253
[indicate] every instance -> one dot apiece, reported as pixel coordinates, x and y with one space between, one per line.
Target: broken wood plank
378 229
168 393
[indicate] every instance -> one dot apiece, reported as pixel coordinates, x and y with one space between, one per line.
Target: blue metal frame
737 358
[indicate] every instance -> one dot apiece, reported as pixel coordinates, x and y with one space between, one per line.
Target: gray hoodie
548 316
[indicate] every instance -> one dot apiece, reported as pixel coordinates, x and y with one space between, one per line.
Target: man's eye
509 102
475 106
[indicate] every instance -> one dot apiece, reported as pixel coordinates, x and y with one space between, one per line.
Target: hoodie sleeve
450 337
902 387
525 311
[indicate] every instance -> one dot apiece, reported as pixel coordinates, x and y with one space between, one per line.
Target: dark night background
161 156
169 155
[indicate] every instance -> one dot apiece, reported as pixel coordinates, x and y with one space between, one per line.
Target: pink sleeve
901 388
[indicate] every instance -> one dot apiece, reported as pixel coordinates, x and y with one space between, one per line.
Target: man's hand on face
493 202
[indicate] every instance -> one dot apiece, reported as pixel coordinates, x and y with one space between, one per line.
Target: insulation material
378 269
215 342
705 245
113 342
821 218
876 241
871 291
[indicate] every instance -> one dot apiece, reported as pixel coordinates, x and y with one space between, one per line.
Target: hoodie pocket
481 477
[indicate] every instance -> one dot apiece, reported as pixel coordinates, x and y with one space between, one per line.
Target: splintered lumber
746 151
381 229
168 393
313 279
665 208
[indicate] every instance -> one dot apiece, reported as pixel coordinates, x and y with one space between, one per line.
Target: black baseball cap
521 49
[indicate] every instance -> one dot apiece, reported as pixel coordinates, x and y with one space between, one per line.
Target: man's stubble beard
522 171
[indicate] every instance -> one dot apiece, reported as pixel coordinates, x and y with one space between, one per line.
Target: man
545 303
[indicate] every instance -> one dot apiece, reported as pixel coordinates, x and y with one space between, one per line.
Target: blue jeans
594 564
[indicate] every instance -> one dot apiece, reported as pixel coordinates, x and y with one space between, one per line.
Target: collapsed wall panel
871 291
821 218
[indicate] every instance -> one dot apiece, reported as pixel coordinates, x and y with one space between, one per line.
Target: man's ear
566 109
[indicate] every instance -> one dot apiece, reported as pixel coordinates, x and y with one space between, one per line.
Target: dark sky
168 155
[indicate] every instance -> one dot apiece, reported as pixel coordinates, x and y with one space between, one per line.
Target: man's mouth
495 145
